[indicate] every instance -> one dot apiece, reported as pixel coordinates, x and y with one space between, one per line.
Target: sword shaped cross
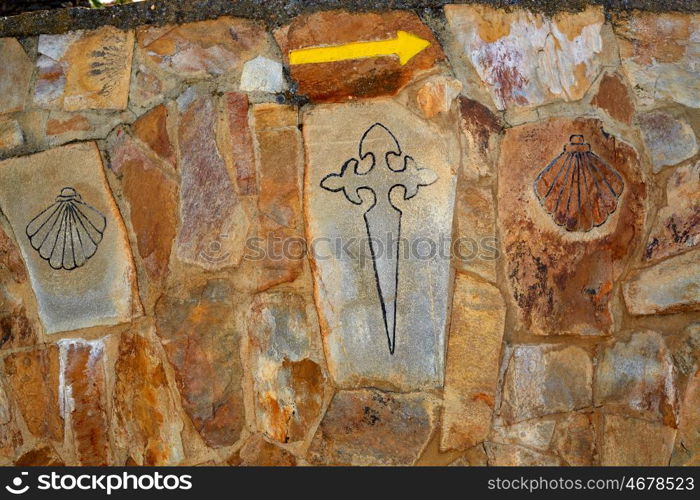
388 169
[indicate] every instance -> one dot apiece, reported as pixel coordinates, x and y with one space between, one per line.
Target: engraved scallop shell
578 188
67 233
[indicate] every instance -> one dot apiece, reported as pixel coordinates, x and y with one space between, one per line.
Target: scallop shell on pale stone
67 233
578 188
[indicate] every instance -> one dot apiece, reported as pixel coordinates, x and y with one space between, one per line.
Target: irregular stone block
562 278
473 360
535 434
152 197
241 143
44 456
10 134
613 97
202 343
545 379
687 449
83 399
213 223
262 75
16 75
166 55
33 380
280 226
147 417
342 80
285 360
574 439
71 236
10 435
84 69
636 378
437 94
659 55
509 455
668 287
381 271
369 427
257 452
677 225
670 140
152 130
635 443
527 59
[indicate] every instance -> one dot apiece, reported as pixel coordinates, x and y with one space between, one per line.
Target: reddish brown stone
279 204
152 130
213 223
76 123
201 341
40 457
562 281
478 122
33 379
370 427
16 329
289 384
10 435
241 143
11 264
344 80
574 439
258 452
152 199
677 226
614 98
147 418
84 402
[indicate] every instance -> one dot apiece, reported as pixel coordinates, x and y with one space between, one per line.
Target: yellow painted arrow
405 45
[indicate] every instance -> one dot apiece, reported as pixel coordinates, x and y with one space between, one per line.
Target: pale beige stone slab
101 290
346 290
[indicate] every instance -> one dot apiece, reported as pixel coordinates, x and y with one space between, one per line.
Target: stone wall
476 247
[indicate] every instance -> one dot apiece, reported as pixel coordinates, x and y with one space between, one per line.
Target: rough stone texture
262 75
473 356
545 379
152 196
677 225
192 51
202 342
15 77
669 140
285 360
351 315
659 55
527 59
636 378
257 452
10 434
668 287
614 98
280 171
562 281
152 130
369 427
535 434
33 381
621 443
517 456
84 69
83 399
213 222
357 78
687 449
10 134
101 292
147 417
574 439
44 456
241 142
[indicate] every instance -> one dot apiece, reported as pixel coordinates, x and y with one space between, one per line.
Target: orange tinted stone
44 456
152 130
258 452
562 281
241 143
344 80
33 380
614 98
72 124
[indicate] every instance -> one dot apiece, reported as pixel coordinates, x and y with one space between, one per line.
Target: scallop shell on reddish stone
67 233
578 188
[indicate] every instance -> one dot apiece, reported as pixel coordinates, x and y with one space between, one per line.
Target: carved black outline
356 199
69 202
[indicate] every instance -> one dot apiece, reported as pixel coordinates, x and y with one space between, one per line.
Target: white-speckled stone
262 75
